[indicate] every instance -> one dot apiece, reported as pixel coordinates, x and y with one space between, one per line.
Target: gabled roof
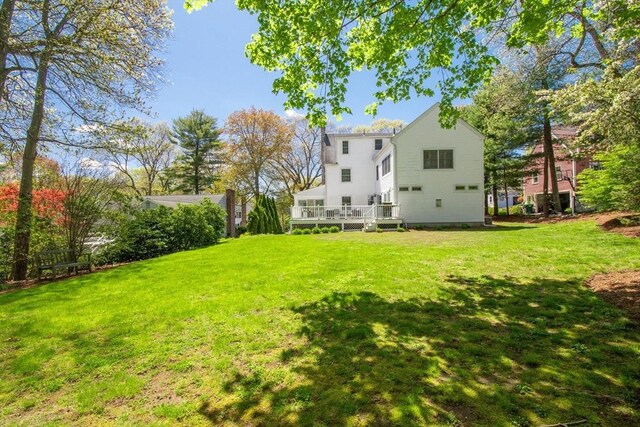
173 200
436 107
564 132
312 192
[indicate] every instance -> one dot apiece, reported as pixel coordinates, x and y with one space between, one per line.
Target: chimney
231 212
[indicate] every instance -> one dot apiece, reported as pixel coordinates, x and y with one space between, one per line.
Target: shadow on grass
488 352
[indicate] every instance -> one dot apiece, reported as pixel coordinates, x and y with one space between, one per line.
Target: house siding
468 169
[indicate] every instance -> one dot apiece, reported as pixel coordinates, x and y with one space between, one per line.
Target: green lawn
490 327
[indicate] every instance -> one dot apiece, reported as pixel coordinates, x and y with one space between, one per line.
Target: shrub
400 230
44 236
263 219
296 231
465 226
379 230
155 232
147 234
316 230
334 229
325 229
306 231
513 210
240 230
419 227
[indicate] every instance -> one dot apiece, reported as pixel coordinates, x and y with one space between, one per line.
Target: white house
423 175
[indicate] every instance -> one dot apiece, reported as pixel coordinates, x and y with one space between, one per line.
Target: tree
504 112
381 125
256 140
300 167
616 183
198 136
148 148
89 190
263 219
316 45
70 81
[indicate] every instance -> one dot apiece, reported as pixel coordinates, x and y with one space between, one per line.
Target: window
345 147
460 187
346 200
438 203
386 165
431 159
535 178
403 189
438 159
559 173
416 188
445 159
473 188
377 172
346 175
378 144
311 203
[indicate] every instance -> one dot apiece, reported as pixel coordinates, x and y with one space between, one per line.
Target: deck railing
345 212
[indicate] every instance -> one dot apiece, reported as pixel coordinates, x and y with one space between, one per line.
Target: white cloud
89 163
293 114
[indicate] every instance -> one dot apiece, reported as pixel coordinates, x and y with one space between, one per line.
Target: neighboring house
513 198
424 175
172 201
569 164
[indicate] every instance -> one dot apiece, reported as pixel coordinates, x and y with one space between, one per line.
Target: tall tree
300 167
141 154
504 111
86 62
199 138
316 45
256 140
90 189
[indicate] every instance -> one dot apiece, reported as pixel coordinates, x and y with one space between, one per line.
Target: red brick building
569 164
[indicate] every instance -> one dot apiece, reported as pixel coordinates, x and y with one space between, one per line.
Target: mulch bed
621 289
627 223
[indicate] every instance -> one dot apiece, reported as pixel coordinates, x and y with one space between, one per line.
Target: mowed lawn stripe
471 327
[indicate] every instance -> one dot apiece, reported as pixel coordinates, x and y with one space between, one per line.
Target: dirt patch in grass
621 289
626 223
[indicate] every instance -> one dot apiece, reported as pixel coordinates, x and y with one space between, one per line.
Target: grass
491 327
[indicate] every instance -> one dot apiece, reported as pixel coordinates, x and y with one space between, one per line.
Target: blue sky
207 69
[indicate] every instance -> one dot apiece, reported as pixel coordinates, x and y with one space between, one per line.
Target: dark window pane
446 159
431 159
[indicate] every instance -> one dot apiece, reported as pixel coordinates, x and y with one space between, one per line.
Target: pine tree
198 136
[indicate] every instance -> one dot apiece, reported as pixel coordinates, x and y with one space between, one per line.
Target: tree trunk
494 188
550 156
545 184
196 169
506 193
256 184
23 218
6 16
